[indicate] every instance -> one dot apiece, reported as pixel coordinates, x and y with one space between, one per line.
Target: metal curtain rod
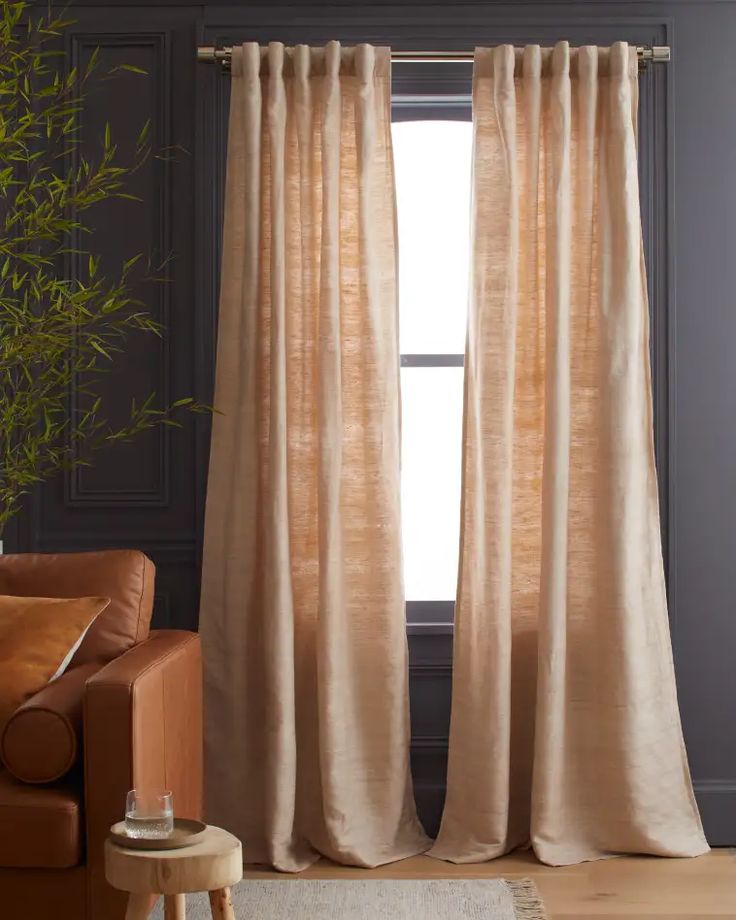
213 54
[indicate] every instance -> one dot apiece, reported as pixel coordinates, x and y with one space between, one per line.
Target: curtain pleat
565 730
302 611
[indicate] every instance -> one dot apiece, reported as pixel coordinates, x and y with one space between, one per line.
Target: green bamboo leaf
129 263
93 59
144 133
130 68
94 343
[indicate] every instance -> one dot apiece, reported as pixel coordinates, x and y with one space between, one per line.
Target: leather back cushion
126 576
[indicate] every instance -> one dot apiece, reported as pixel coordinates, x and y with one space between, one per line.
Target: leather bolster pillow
42 740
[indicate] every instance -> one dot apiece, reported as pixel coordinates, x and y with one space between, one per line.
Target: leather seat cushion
40 826
126 576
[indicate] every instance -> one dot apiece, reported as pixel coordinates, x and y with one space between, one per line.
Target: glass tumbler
149 814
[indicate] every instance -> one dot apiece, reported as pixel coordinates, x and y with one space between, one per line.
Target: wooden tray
186 833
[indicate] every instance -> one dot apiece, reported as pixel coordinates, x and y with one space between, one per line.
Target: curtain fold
302 611
565 729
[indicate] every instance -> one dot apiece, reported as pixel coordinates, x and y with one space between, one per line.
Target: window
432 160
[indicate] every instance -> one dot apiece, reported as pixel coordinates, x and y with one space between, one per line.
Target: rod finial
206 53
212 54
659 54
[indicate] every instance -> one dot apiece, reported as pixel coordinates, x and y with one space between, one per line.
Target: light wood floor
641 887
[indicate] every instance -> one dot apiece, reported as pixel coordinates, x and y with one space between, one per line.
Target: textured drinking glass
149 815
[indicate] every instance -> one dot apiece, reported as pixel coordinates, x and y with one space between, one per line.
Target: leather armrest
142 728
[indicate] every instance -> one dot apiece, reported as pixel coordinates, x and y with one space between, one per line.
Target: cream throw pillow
38 637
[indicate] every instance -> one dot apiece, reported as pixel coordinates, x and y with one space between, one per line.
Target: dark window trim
433 360
429 617
416 107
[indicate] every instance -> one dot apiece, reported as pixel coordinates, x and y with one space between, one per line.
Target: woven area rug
379 899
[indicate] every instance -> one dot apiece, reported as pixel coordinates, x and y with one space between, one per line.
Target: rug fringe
527 903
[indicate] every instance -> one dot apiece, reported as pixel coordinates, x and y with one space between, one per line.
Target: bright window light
432 160
431 421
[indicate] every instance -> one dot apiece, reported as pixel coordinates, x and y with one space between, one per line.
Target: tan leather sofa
126 714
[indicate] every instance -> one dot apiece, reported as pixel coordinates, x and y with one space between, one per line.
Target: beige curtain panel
302 613
565 729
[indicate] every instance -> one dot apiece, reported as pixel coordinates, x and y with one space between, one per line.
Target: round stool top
215 862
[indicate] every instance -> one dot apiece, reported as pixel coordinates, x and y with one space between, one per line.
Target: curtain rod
213 54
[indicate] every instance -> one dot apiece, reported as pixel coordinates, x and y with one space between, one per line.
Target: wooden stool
213 865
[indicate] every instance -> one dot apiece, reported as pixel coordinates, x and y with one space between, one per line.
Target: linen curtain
302 613
565 729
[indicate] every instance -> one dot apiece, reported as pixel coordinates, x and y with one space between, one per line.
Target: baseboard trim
717 803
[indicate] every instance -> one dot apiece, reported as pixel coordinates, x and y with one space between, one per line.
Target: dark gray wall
152 494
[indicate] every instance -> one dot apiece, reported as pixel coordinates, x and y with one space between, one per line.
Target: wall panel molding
78 491
139 495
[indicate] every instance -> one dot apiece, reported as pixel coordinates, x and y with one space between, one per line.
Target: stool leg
175 907
139 907
221 905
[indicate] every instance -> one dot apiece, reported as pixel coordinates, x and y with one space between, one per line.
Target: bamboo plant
60 330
